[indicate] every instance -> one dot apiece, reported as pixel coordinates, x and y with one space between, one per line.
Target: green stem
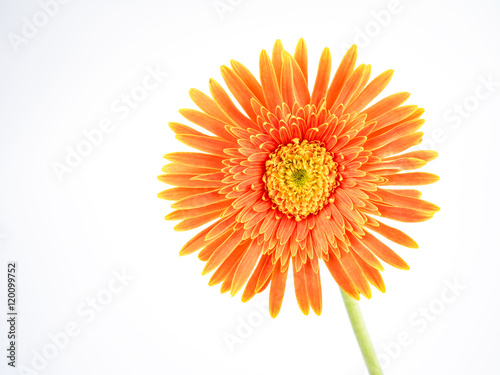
359 328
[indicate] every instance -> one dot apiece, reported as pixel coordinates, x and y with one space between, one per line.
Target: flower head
296 177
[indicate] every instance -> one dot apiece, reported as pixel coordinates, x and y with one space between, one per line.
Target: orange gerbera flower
298 177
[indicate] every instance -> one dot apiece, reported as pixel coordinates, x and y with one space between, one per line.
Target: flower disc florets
300 177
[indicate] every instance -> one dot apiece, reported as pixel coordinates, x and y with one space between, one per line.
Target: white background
69 237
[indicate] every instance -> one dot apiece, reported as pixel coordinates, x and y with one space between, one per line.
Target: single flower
298 177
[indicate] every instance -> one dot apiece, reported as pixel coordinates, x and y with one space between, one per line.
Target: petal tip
274 314
304 311
434 155
205 271
318 312
278 43
171 216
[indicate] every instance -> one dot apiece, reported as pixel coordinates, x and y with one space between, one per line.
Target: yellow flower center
300 177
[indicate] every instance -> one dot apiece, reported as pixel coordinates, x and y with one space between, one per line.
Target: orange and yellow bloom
298 177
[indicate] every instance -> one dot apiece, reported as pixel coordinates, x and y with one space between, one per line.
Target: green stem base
359 328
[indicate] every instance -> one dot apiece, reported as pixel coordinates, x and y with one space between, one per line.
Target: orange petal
229 264
223 251
372 275
341 277
393 134
174 168
181 193
210 123
405 215
393 116
277 58
406 192
249 80
245 267
402 164
239 90
196 159
299 282
185 180
207 105
364 253
399 145
364 80
385 105
355 274
196 222
211 246
384 252
205 143
269 82
227 106
425 155
300 56
322 77
412 178
300 84
343 72
402 201
313 285
249 291
415 115
277 291
226 285
199 200
265 275
218 176
196 243
351 86
178 128
195 212
225 224
287 88
393 234
370 92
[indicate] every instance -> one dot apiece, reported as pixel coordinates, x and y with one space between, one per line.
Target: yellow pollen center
300 177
